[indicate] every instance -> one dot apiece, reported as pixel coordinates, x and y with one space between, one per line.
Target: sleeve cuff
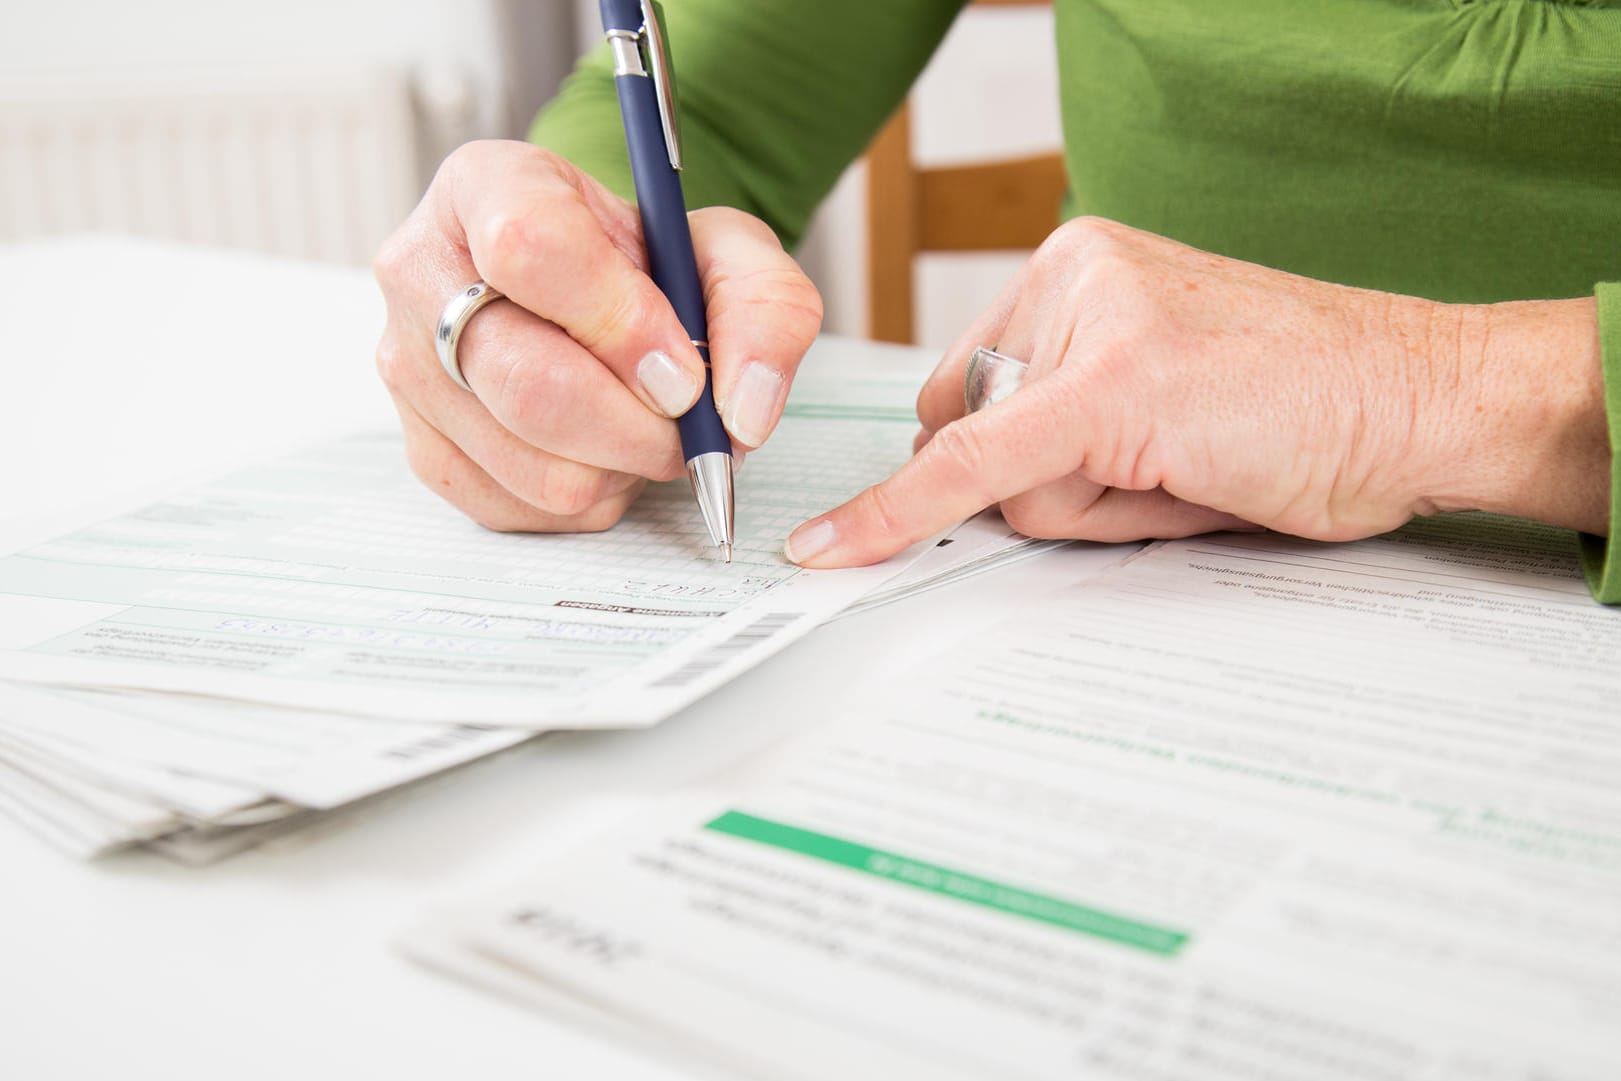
1601 556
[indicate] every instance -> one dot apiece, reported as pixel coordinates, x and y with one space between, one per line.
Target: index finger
984 458
545 236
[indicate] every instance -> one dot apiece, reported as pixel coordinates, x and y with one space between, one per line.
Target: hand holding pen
644 81
575 374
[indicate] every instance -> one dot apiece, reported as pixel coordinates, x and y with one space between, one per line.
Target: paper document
332 580
333 574
983 543
1242 807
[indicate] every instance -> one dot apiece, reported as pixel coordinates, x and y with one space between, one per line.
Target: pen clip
658 59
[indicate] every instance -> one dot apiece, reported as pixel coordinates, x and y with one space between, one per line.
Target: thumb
763 315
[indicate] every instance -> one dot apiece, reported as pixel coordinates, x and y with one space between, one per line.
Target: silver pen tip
726 552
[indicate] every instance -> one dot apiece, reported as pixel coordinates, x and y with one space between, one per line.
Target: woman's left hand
1173 392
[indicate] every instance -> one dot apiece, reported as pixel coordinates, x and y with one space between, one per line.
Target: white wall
992 90
498 58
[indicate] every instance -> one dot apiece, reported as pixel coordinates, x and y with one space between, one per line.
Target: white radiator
313 164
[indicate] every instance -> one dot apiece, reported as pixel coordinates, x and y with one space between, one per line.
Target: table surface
136 366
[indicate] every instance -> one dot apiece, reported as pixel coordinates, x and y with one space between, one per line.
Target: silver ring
453 320
991 376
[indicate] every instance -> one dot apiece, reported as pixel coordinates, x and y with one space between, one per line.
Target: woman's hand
577 374
1172 392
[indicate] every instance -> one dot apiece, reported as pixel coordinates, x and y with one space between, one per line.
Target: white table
133 364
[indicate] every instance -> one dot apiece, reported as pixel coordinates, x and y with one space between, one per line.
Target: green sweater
1462 150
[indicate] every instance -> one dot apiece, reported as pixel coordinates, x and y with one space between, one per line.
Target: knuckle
1077 243
961 450
498 519
469 161
393 364
623 315
730 219
534 391
506 241
568 489
781 301
477 158
550 160
1028 516
1053 257
603 516
1095 233
554 383
433 466
799 303
882 512
672 464
576 496
469 156
736 230
395 258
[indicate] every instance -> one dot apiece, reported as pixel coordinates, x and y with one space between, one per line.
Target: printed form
1243 807
331 580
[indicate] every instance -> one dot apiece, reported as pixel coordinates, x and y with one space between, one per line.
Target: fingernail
752 409
672 388
810 540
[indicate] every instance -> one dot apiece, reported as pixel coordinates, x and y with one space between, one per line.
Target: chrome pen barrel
711 476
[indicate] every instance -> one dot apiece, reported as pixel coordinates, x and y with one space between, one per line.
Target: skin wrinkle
445 469
622 225
506 480
1448 398
1145 474
1550 405
623 307
737 284
526 400
1362 369
777 286
1186 377
1348 479
886 517
1457 401
1318 422
1236 389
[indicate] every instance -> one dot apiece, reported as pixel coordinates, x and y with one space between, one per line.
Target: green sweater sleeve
1601 556
775 99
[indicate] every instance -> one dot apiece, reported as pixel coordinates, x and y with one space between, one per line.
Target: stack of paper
220 665
1241 807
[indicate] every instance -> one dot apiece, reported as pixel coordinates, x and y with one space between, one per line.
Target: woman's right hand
577 374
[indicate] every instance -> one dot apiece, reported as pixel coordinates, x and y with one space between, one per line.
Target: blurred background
309 128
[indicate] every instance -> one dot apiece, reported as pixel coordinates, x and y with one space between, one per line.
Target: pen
647 105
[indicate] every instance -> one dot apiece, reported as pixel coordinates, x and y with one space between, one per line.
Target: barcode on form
719 653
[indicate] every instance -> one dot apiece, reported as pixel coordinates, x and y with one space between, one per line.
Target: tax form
1241 807
331 580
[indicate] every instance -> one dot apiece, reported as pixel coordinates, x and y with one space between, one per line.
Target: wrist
1523 429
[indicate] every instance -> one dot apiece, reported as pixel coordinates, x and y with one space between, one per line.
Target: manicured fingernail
810 540
752 409
672 388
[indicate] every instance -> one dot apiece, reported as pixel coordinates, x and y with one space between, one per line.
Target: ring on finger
453 320
991 376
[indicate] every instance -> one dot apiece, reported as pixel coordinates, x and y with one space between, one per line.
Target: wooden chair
1005 205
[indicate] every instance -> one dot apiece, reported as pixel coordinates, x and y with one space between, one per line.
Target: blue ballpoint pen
647 104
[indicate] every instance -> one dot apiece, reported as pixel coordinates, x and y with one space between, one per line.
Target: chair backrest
1003 205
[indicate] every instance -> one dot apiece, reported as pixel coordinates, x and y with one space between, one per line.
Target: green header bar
954 884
